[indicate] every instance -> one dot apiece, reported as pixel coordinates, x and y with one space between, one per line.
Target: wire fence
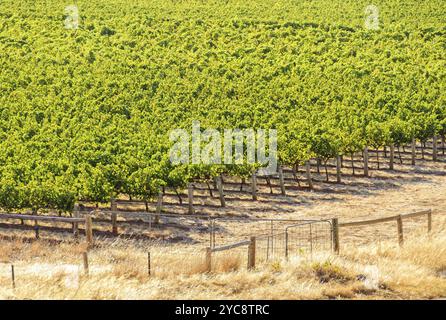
280 240
300 238
224 231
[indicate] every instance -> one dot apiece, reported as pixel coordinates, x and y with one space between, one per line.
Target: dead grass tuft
327 271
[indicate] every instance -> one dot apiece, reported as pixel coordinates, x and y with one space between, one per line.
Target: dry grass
119 271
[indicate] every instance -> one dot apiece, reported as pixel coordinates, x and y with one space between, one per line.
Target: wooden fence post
190 194
335 234
414 151
114 216
36 229
36 224
254 186
434 148
281 181
252 254
392 156
208 262
89 230
309 178
220 191
85 258
399 221
366 161
76 214
338 168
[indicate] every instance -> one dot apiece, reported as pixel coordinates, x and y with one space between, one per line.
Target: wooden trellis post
338 168
254 186
309 178
190 194
434 148
414 151
114 216
159 207
281 180
443 143
220 191
366 161
392 156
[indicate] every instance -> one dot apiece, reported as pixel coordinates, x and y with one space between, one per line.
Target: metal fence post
286 243
149 266
211 233
13 276
399 221
429 221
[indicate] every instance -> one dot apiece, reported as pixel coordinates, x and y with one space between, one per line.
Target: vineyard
87 115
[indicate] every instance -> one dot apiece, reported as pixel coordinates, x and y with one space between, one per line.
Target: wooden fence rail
74 221
251 252
8 216
398 218
387 219
334 224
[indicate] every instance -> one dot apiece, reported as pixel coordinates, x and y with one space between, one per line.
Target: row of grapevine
86 114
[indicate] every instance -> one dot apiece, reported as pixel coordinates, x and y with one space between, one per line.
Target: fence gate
300 238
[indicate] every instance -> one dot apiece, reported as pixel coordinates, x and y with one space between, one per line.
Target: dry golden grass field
370 264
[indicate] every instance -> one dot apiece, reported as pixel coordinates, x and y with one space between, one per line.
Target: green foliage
86 114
